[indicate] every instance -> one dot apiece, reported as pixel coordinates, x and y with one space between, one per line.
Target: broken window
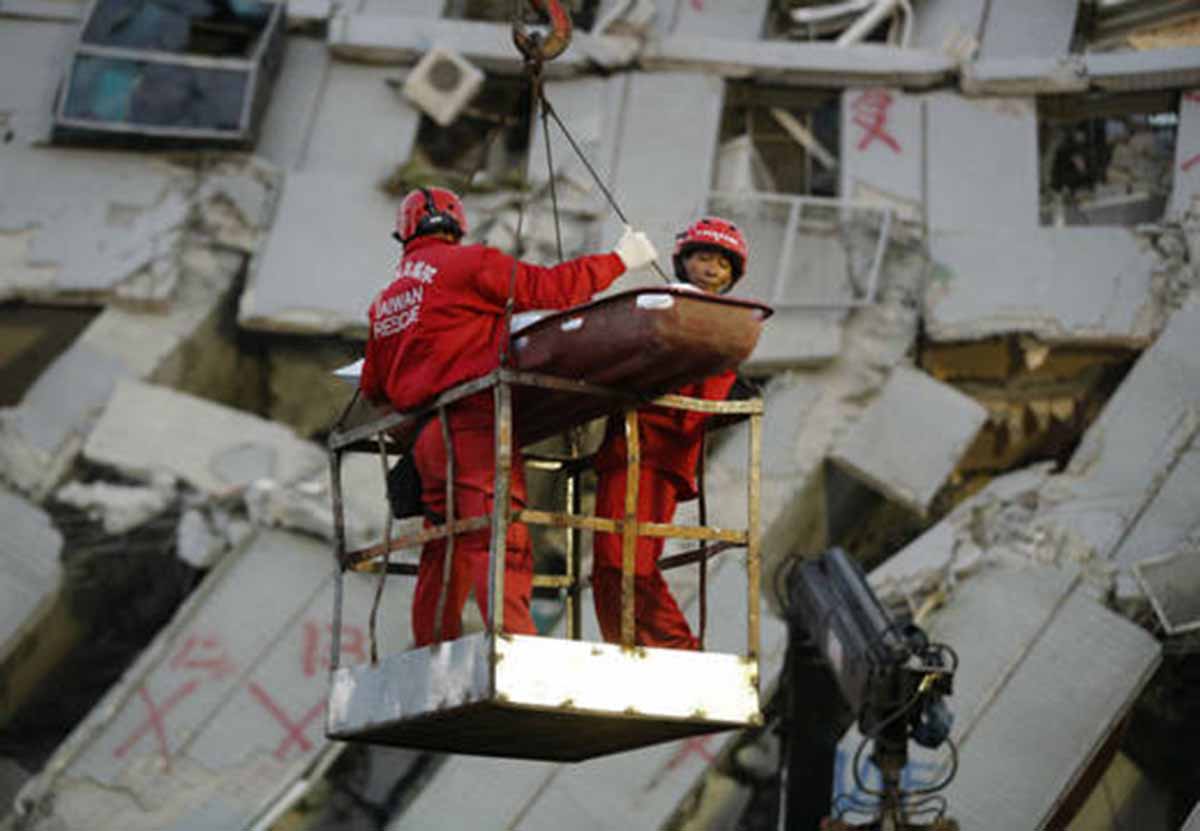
779 139
1107 159
171 72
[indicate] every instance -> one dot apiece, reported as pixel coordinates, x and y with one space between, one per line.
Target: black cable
550 176
553 113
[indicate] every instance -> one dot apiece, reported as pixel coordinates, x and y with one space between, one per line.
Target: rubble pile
979 226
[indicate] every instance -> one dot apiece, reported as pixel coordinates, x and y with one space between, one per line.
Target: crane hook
536 48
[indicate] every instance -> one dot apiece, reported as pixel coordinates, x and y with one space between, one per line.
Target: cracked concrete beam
1060 284
910 438
397 39
802 64
1134 461
1137 71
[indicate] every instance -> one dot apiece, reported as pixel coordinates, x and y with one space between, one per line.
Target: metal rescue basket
565 699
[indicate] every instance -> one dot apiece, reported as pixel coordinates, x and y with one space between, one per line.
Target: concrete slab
221 716
949 26
1133 71
881 159
29 568
910 438
1028 29
287 124
1127 456
1046 673
146 430
399 39
672 119
1061 284
33 58
301 283
732 19
183 347
81 225
981 147
798 338
1186 184
385 123
801 64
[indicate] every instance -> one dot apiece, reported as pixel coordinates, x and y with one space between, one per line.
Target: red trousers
658 618
474 492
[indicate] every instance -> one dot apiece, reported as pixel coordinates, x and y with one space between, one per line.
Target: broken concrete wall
223 712
881 159
954 27
330 249
1060 284
41 437
1129 456
981 162
732 19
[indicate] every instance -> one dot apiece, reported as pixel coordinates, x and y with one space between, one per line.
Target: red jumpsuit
441 323
669 442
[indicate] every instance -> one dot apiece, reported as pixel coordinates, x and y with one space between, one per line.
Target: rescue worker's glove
635 249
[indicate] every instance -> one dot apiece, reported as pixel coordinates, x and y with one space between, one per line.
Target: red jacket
441 321
668 440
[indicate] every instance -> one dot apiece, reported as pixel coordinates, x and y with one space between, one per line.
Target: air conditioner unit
442 84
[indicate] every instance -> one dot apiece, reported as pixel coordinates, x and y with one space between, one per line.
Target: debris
121 508
197 543
892 447
1172 582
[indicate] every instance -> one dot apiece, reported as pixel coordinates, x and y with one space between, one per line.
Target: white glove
635 249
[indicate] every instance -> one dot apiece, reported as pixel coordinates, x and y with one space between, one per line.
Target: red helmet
712 232
427 211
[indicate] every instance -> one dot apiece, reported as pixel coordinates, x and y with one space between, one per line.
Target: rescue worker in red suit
711 255
440 323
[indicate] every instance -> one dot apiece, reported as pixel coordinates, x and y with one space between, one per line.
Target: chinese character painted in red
204 653
1190 163
698 5
1192 96
871 110
316 656
294 729
154 721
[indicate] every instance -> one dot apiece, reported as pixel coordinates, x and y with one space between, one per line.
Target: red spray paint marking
316 656
1190 163
695 746
204 653
294 729
154 721
871 112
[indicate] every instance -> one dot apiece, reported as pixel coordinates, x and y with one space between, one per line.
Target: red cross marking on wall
695 746
295 729
154 721
1190 163
871 112
204 652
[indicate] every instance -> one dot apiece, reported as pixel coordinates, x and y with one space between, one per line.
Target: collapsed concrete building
978 226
